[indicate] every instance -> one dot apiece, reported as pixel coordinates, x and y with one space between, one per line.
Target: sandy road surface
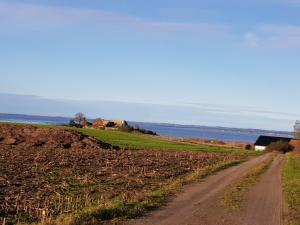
264 201
199 204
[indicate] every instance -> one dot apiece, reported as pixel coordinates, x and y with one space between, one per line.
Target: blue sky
233 55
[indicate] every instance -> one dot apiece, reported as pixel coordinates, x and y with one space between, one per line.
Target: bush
149 132
143 131
126 129
129 129
248 147
280 146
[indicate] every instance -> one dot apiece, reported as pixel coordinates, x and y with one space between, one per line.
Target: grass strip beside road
120 210
234 196
291 186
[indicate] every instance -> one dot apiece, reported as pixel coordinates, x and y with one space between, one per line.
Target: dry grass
121 210
291 180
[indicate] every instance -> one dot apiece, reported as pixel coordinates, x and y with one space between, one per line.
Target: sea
164 129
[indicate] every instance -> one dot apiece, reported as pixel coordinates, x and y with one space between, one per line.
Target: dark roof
266 140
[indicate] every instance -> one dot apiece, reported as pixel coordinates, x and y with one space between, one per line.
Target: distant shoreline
226 134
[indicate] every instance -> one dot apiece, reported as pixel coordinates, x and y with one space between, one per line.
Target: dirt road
200 204
264 201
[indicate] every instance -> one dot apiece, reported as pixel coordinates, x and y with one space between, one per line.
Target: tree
80 119
297 130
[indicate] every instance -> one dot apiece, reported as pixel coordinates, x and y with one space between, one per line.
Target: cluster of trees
280 146
80 121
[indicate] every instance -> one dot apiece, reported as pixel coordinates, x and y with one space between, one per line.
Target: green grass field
291 179
140 141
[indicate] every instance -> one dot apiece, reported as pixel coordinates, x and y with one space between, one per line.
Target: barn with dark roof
263 141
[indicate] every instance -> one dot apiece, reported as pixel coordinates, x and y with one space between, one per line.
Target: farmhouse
263 141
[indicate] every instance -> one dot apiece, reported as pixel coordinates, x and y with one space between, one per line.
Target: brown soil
53 171
30 136
200 204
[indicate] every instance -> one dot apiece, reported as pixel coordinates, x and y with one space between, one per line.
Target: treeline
80 121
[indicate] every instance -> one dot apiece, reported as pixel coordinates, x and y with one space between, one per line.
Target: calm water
224 134
199 132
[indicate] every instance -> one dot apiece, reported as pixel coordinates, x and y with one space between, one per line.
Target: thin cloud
289 2
251 39
31 16
274 37
242 110
194 113
277 2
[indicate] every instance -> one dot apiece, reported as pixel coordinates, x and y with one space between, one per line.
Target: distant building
264 141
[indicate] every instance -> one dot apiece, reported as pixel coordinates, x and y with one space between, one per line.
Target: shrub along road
201 204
